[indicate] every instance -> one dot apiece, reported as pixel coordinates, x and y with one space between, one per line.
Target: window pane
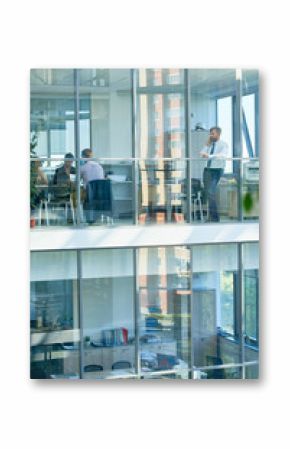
250 110
215 179
215 297
252 372
180 375
52 112
227 280
164 297
225 122
251 177
218 373
162 191
54 318
251 298
105 112
53 192
248 104
108 313
160 113
52 126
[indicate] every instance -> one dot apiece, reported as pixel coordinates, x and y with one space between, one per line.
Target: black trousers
211 177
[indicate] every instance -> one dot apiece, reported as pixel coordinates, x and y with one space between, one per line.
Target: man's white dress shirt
218 158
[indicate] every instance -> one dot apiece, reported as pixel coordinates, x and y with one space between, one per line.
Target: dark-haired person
62 174
38 180
216 151
63 186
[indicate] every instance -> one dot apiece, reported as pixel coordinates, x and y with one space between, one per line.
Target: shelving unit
122 190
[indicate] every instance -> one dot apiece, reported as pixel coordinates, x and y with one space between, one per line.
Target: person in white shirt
90 170
216 152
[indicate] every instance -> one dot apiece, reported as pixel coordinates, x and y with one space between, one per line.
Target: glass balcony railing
114 192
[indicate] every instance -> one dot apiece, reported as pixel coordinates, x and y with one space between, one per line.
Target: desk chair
91 368
196 197
98 202
60 198
65 205
43 205
215 373
122 364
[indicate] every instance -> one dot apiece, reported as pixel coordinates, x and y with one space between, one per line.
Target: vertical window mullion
80 305
136 312
77 143
188 143
135 185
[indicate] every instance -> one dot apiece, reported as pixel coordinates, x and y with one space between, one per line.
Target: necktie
211 152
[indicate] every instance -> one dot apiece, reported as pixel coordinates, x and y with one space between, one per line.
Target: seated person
62 178
90 170
37 174
37 179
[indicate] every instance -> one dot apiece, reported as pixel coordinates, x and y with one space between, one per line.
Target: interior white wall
107 304
107 264
207 258
251 256
203 110
120 125
51 265
100 135
111 123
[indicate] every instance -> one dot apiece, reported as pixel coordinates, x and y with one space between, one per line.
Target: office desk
110 374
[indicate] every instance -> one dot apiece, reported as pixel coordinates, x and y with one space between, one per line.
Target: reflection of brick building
161 131
162 136
163 275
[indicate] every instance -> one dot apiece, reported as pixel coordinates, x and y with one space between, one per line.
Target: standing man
215 151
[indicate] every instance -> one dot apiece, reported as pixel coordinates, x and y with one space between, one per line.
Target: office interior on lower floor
185 312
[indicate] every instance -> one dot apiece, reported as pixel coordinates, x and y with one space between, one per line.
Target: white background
147 33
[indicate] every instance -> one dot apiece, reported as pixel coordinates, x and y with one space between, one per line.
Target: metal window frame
77 143
136 305
232 97
187 103
81 312
135 202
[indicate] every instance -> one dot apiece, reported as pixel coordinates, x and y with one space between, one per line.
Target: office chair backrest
99 194
213 360
121 364
91 368
195 185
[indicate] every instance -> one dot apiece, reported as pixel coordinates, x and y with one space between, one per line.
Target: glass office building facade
135 281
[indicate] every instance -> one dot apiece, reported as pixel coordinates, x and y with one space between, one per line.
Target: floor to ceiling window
146 129
148 312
